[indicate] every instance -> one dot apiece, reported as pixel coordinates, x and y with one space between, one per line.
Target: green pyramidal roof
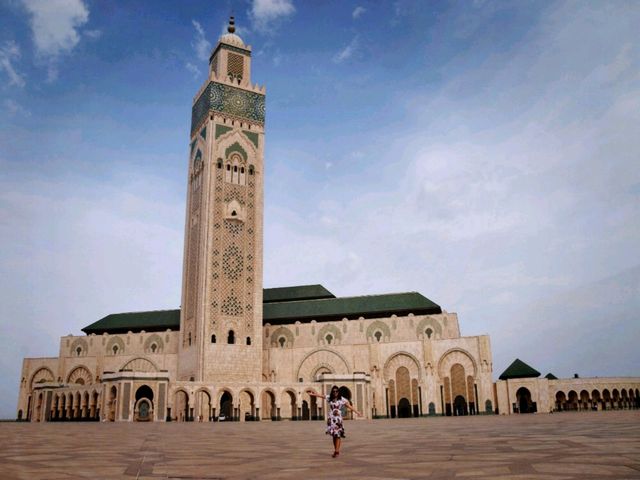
368 306
550 376
302 292
135 321
282 306
519 369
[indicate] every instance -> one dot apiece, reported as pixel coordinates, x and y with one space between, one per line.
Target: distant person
335 427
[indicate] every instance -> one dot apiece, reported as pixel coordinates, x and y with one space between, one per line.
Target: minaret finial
232 25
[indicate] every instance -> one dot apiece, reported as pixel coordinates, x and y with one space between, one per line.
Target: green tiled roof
370 306
550 376
519 369
281 306
302 292
135 321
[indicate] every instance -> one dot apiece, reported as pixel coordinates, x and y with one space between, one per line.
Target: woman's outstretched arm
314 394
350 407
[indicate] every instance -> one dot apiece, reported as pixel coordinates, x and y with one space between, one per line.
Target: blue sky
483 153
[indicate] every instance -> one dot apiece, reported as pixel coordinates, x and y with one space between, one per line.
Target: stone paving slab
589 445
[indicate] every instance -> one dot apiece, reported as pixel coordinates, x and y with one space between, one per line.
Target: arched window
235 168
378 335
231 338
250 169
282 341
248 340
79 351
228 167
219 163
328 338
428 332
189 338
213 339
241 169
115 349
154 347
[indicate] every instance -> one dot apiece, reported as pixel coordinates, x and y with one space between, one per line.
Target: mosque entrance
460 406
143 410
346 393
404 408
226 406
525 405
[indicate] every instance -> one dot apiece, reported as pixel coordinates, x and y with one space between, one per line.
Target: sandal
335 454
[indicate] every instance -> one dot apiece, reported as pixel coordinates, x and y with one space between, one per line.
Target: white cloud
201 45
347 52
512 182
358 11
92 34
265 14
55 28
194 70
9 52
55 24
14 108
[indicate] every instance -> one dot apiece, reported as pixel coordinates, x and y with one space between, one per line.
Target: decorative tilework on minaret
221 315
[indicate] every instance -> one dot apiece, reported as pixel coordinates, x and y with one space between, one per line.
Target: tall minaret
221 315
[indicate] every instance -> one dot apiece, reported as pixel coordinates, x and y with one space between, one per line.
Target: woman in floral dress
335 428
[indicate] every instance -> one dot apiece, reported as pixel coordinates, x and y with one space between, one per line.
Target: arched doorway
226 406
111 404
606 399
268 405
573 400
459 406
143 409
181 406
288 406
561 399
595 398
247 406
404 408
346 393
203 406
523 400
584 400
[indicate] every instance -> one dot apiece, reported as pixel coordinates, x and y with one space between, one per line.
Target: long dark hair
334 388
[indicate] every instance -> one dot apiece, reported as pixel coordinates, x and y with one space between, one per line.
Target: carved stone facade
233 353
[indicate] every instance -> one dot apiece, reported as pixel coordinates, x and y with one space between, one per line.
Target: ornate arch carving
321 357
234 141
282 332
329 329
401 359
378 325
453 356
113 341
79 343
42 375
80 375
428 322
155 338
139 365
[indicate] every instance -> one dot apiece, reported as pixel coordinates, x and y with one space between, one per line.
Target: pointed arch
321 356
80 375
139 364
41 375
456 355
401 359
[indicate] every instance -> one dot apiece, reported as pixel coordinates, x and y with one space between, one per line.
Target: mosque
238 351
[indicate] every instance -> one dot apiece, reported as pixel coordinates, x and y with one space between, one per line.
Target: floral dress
335 428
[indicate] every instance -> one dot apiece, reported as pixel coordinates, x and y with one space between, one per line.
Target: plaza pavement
593 445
